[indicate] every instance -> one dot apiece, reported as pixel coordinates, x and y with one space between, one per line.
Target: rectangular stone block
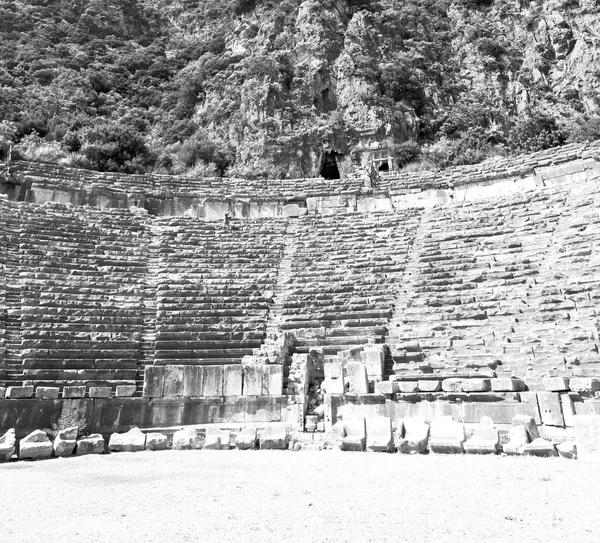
407 387
379 434
357 378
587 437
452 385
334 378
584 384
426 385
550 408
446 435
567 401
154 381
47 393
125 391
373 358
193 381
16 393
531 399
273 379
507 384
100 392
173 381
252 383
556 384
476 385
387 387
74 392
355 435
232 380
213 381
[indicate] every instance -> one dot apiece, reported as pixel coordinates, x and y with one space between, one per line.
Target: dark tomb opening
384 167
329 169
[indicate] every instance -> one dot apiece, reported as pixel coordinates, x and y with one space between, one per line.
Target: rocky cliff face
287 87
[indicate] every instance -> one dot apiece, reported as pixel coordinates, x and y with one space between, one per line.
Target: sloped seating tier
79 296
582 155
507 284
98 188
344 275
214 288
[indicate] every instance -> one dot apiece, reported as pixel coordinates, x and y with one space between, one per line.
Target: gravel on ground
308 496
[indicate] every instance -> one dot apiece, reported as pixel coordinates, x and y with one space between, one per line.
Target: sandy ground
305 496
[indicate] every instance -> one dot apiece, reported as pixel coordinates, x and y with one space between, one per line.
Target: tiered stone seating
504 168
345 271
469 282
81 303
214 288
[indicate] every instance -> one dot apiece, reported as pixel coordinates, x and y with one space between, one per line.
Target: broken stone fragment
65 441
8 443
528 423
540 447
379 434
274 436
246 439
156 442
446 435
485 440
186 439
92 444
517 440
217 439
567 449
416 436
355 435
132 441
35 445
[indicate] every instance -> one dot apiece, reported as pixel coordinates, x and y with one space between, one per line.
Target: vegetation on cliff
254 87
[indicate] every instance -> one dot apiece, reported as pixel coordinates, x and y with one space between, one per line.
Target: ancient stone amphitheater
128 301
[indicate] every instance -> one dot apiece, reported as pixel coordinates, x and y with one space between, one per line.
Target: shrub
535 131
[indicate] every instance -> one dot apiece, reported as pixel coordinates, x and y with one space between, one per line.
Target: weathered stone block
540 447
74 392
334 378
213 381
274 436
355 435
528 423
408 387
92 444
485 440
100 392
387 387
156 441
65 441
476 385
452 385
373 359
253 378
507 384
446 435
556 384
186 439
35 445
550 408
217 439
273 379
8 444
193 380
416 436
154 381
587 437
232 380
357 378
173 381
125 391
429 385
16 393
584 384
567 449
517 440
47 393
246 439
2 392
132 441
379 434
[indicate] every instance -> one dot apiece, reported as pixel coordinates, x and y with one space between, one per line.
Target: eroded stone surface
446 435
92 444
416 436
217 439
156 441
246 439
65 441
186 439
8 443
132 441
274 436
355 435
379 434
485 439
35 445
